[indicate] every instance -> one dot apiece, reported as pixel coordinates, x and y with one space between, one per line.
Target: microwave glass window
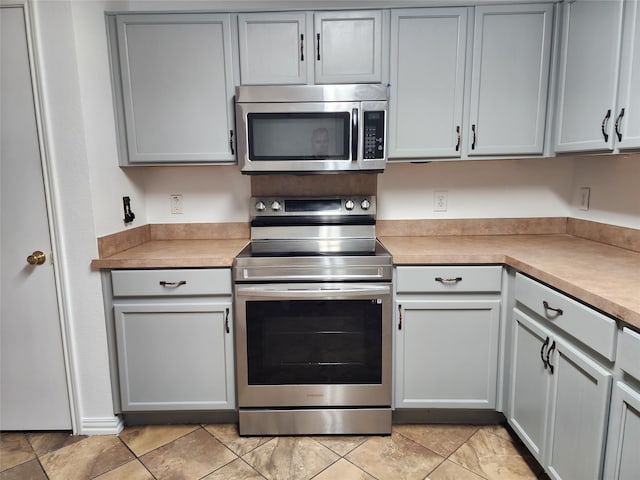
299 136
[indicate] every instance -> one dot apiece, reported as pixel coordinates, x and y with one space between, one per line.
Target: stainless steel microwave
311 128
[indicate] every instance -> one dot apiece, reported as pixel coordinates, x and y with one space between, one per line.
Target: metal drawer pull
302 47
459 137
226 319
399 317
172 284
551 349
604 125
546 306
545 344
318 45
448 280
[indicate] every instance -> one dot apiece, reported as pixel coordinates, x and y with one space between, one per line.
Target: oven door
313 345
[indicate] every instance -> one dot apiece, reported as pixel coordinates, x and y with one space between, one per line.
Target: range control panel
313 206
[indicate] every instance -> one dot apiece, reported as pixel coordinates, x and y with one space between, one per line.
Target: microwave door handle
354 134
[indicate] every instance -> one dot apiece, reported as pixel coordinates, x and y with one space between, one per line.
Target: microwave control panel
373 134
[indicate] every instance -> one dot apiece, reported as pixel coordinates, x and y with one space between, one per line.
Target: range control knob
260 206
275 206
365 204
349 205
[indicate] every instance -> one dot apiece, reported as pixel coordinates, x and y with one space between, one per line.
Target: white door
33 384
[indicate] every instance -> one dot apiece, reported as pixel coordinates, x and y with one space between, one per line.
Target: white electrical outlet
176 204
440 201
585 193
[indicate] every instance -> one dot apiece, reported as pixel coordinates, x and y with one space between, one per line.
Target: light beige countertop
606 277
175 254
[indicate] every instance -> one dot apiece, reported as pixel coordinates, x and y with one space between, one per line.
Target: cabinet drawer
629 354
594 329
448 279
171 282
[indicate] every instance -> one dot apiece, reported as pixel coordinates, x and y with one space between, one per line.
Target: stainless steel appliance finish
313 304
311 128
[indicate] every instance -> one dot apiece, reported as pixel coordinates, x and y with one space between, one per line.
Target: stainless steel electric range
313 304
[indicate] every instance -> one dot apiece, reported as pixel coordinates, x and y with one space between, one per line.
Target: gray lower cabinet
559 395
447 337
623 460
174 339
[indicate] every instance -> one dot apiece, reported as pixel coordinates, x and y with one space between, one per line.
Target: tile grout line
135 457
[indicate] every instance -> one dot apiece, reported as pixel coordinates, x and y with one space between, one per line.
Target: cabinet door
348 47
428 51
628 121
579 412
273 48
447 354
623 461
510 76
177 88
588 75
530 383
175 356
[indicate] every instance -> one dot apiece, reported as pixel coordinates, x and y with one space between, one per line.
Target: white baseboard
100 426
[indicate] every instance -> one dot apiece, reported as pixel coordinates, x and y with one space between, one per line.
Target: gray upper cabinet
273 48
173 87
509 80
627 125
428 55
348 46
461 90
306 47
588 76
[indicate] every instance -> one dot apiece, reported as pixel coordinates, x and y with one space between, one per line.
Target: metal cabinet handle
545 344
459 137
302 47
473 141
226 319
604 125
318 45
551 349
448 280
172 284
231 142
399 317
557 311
618 119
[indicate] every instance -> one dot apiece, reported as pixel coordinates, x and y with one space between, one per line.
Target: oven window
314 342
299 136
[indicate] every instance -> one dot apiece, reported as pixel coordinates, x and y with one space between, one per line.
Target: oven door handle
303 291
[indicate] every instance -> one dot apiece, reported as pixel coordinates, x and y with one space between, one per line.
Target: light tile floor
217 452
